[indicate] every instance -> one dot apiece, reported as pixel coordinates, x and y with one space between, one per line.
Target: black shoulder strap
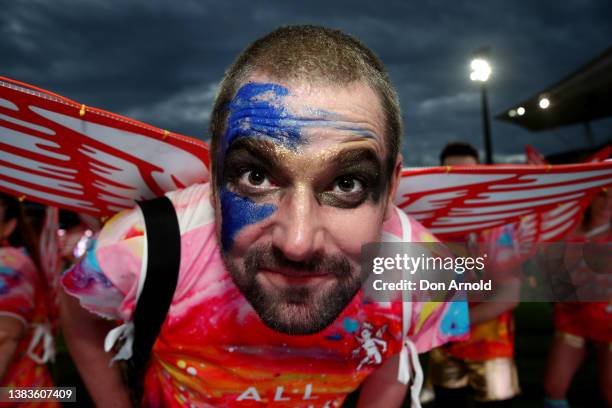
163 263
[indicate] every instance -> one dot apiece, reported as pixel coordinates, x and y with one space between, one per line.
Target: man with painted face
268 309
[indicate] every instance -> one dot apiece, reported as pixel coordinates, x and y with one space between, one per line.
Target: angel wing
554 224
59 152
456 201
381 331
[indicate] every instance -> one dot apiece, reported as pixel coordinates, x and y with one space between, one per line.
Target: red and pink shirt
214 350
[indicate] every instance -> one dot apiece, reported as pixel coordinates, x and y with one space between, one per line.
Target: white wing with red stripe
58 152
457 201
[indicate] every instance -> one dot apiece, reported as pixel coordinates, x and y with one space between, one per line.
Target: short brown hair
315 54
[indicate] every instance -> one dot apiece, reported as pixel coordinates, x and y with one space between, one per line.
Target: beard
297 309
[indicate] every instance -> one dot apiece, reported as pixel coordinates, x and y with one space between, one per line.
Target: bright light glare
544 103
520 111
512 113
481 70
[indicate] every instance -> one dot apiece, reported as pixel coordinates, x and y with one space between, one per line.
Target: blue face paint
256 110
259 110
239 212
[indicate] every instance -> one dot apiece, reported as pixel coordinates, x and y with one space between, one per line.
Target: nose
297 231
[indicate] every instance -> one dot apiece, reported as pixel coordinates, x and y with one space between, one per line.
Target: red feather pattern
59 152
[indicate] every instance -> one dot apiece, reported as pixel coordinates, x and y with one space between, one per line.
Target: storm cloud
160 61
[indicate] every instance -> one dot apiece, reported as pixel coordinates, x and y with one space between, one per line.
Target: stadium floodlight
481 70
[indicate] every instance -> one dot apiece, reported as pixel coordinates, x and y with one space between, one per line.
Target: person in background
22 305
484 364
578 323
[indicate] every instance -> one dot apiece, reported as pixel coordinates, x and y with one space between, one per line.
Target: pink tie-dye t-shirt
22 298
213 349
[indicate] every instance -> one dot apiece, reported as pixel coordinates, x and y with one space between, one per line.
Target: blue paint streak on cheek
238 212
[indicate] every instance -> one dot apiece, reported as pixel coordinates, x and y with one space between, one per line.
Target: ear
8 228
393 186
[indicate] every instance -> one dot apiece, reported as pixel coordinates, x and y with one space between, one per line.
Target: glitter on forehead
271 97
258 110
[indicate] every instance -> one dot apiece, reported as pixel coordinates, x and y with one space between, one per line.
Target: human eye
253 181
345 191
347 185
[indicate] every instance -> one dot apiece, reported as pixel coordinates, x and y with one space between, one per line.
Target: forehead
323 113
354 97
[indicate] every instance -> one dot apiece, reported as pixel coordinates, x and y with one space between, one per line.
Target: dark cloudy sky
160 61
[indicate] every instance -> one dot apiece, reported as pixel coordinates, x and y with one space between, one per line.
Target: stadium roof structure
581 97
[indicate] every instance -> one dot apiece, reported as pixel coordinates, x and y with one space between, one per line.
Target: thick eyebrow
259 149
356 158
265 152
